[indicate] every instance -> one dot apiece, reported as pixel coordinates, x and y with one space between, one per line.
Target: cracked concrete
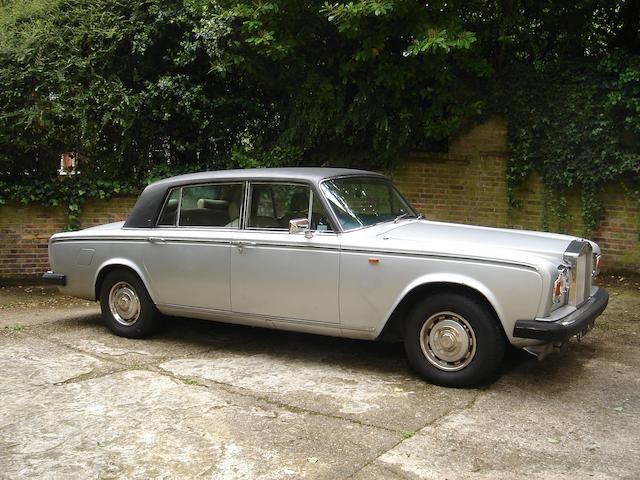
208 400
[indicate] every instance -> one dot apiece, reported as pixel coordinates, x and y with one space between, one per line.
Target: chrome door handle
241 244
156 239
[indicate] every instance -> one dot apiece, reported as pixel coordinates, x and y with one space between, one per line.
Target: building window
68 164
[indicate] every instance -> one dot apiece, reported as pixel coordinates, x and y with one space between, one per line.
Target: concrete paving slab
580 423
140 424
28 363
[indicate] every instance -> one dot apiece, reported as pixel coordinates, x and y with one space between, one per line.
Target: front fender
499 291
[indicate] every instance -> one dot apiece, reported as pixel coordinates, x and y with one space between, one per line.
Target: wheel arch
392 327
119 264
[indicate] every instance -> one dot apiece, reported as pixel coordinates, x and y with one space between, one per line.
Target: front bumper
575 323
52 278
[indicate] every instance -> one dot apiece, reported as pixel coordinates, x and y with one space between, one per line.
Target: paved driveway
208 400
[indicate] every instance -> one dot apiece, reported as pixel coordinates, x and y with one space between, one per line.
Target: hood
459 238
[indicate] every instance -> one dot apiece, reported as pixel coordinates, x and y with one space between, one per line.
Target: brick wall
468 185
25 232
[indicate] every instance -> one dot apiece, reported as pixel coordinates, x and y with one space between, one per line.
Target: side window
215 205
170 210
319 217
273 205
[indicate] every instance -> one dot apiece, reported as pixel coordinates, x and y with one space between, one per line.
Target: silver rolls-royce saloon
335 252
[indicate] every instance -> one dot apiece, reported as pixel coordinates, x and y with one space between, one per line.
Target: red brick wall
25 232
468 185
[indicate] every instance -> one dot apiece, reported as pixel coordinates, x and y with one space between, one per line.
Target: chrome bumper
576 323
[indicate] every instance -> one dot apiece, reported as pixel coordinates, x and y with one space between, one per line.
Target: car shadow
384 358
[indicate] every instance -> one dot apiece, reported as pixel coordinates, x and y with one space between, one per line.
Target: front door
291 278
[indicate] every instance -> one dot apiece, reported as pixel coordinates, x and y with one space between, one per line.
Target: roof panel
313 174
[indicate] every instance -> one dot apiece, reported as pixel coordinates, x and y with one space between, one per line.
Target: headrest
234 210
212 204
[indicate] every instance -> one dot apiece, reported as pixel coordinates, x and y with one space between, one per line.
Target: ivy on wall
578 125
73 191
69 192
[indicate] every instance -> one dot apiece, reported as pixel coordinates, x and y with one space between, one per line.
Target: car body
336 252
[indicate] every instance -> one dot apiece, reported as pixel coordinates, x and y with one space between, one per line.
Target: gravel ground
209 400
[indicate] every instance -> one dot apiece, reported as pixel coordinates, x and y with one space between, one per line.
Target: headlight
561 285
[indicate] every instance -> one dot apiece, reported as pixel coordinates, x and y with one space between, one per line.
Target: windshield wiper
400 217
407 214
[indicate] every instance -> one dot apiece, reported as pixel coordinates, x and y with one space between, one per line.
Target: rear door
188 256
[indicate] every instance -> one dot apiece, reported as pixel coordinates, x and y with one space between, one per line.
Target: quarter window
170 210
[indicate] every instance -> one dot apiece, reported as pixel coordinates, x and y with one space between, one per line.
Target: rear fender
114 263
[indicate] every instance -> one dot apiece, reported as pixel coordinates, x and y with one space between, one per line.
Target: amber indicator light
373 260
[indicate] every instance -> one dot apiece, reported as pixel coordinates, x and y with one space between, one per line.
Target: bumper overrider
576 323
52 278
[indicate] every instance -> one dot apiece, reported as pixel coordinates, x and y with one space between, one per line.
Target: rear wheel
453 340
127 308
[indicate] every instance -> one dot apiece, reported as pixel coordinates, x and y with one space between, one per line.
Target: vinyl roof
148 206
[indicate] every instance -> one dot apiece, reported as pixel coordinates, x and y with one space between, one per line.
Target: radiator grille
579 258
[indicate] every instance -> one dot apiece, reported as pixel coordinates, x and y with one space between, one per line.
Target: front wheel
127 308
453 340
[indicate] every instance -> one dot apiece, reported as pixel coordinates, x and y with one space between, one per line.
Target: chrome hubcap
448 341
124 304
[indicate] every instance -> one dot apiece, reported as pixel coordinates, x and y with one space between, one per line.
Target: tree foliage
132 83
144 87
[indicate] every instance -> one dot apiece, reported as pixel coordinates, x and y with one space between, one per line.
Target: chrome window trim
310 207
179 209
244 220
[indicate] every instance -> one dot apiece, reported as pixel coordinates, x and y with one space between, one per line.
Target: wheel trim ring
124 304
440 325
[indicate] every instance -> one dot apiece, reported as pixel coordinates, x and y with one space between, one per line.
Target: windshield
363 201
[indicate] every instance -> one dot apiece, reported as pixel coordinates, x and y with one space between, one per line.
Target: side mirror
297 225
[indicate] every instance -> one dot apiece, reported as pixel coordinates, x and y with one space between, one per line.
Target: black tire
462 344
136 316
